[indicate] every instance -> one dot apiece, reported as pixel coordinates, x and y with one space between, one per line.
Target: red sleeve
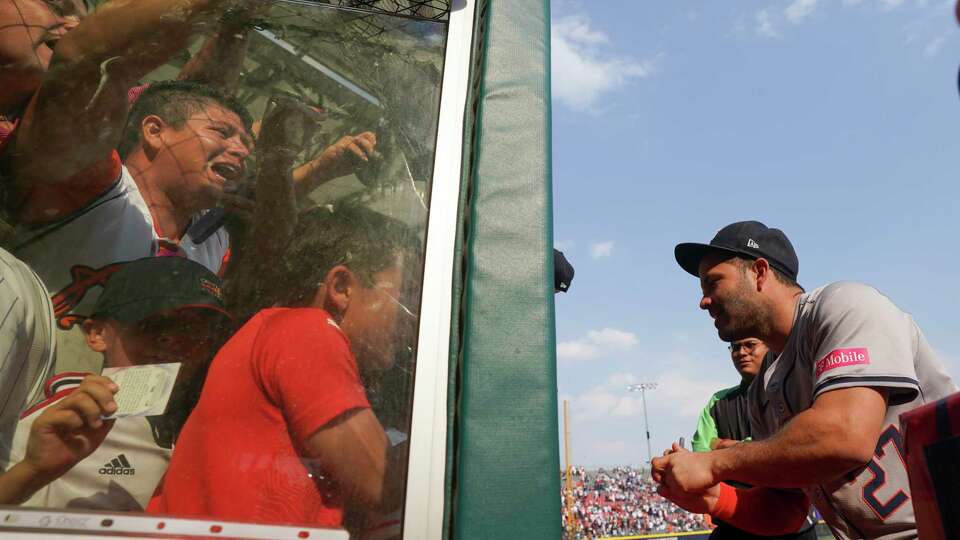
305 367
762 511
51 202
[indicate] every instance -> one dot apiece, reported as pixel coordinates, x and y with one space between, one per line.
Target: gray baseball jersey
845 335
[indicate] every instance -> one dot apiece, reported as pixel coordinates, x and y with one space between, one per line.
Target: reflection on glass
267 166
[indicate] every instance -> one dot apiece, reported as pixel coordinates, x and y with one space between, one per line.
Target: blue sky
837 121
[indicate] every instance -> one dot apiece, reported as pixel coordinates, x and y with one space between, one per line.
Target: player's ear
97 334
764 273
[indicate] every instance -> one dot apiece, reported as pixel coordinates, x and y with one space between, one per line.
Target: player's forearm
20 482
812 449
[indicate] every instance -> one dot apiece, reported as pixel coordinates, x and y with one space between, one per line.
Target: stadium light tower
642 388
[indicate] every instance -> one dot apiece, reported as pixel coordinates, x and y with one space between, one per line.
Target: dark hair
363 240
175 101
744 262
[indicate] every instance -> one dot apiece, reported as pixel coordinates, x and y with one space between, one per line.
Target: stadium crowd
620 502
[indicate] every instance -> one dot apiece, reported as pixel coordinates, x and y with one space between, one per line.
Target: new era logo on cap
743 239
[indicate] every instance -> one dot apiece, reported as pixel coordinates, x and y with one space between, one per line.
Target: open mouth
227 172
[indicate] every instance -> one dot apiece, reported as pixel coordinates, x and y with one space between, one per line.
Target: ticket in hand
144 390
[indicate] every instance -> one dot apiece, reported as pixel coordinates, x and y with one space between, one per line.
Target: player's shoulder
844 295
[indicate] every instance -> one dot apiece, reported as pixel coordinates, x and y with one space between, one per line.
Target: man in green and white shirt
725 421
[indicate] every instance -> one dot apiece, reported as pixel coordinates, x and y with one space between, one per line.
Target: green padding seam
506 453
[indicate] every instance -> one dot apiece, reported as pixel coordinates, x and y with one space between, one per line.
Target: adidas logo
118 466
752 244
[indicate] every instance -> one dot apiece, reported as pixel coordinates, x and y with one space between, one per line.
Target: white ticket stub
144 390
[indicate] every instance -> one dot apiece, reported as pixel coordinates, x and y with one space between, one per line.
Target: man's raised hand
71 429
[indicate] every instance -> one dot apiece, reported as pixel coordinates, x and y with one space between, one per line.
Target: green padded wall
505 458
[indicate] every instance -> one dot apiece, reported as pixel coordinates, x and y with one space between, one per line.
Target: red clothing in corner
283 376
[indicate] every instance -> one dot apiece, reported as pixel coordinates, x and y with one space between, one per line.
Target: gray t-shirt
848 334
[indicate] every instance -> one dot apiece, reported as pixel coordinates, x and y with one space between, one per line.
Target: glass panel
220 209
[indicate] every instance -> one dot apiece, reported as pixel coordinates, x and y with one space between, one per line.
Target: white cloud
576 350
934 45
798 10
576 28
680 395
931 28
765 24
929 25
611 337
688 392
582 70
596 343
609 399
601 249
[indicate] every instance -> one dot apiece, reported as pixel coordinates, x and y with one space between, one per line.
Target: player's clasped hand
686 479
683 470
70 430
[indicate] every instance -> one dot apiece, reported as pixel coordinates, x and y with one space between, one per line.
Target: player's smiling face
730 297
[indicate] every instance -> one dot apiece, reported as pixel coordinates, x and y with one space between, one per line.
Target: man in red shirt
283 432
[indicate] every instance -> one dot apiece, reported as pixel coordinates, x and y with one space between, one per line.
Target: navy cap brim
689 255
135 312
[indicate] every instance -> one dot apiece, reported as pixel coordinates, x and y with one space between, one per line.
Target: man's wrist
25 480
719 464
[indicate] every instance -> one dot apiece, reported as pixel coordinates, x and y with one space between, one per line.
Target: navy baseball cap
159 285
750 239
562 272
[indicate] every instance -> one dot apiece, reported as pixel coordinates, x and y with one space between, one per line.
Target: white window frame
426 469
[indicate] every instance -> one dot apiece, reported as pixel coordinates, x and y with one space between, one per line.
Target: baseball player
153 311
825 413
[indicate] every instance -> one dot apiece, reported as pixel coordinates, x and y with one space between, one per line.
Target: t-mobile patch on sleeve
841 358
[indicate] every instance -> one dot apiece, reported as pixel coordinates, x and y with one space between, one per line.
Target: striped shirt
27 345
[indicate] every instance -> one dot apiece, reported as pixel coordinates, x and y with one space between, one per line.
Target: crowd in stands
619 502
